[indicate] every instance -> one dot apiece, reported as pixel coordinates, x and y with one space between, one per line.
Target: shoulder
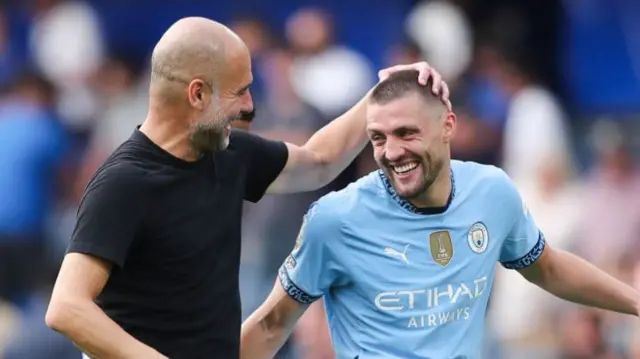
122 172
488 180
472 174
325 214
249 144
335 208
346 200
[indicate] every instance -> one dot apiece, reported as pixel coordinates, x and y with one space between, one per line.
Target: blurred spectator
404 53
32 145
260 40
8 62
444 35
328 76
536 131
31 149
124 106
583 337
537 155
608 237
68 47
481 106
271 226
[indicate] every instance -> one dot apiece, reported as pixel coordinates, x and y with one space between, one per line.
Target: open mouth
405 168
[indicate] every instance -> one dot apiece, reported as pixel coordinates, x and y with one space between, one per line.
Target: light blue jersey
400 283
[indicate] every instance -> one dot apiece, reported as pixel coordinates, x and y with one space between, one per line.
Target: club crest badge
441 247
478 238
291 263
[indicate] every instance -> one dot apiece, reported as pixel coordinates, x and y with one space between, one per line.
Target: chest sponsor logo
434 306
441 247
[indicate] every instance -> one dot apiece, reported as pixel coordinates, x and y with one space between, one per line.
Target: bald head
193 47
200 78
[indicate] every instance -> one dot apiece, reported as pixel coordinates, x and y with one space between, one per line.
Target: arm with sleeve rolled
108 216
330 150
560 273
306 275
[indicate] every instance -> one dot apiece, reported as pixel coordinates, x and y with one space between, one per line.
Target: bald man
152 268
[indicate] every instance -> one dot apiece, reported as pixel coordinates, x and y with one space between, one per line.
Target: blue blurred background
548 90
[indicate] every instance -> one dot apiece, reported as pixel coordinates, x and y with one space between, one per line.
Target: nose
394 150
247 102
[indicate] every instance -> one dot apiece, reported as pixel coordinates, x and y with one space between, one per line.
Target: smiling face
410 138
217 111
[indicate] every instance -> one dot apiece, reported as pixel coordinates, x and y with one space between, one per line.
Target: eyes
403 133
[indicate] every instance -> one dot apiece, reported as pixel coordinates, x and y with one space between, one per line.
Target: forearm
259 339
574 279
337 144
89 328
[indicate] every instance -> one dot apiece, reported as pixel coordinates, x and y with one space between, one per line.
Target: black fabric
172 230
266 159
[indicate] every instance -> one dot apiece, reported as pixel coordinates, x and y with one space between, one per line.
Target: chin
408 193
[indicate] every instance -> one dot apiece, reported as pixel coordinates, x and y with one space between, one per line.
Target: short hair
400 84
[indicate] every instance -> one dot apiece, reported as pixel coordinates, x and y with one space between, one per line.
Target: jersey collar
410 207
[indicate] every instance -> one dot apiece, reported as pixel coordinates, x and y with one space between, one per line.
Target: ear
449 125
196 94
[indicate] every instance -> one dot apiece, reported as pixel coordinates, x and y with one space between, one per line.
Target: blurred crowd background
548 90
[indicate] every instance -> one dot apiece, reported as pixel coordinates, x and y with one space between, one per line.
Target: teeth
405 168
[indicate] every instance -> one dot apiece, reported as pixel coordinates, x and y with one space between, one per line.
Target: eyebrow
403 129
396 131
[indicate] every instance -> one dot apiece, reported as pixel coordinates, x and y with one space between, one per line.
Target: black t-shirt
171 228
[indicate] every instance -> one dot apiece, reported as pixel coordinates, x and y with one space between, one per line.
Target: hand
439 87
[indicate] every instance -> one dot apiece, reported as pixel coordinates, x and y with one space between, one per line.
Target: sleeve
110 213
266 160
312 267
524 242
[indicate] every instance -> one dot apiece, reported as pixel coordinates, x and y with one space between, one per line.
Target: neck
167 130
438 193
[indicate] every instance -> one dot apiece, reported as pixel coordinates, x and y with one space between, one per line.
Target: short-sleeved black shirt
171 228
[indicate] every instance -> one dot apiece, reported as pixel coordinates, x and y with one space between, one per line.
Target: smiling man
405 257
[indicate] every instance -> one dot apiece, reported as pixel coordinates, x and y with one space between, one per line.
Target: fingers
437 83
445 96
425 71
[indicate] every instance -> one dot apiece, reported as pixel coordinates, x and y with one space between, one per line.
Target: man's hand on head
439 87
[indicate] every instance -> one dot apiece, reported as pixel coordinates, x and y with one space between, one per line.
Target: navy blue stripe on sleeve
293 290
530 257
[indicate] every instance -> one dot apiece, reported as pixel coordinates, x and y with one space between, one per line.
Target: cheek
378 152
418 147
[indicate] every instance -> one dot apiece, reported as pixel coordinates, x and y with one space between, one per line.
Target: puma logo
402 255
